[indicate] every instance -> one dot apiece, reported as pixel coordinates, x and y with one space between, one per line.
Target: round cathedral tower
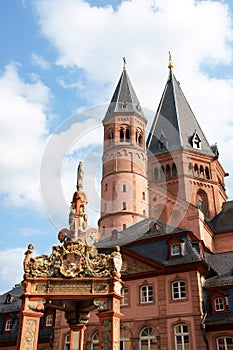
124 172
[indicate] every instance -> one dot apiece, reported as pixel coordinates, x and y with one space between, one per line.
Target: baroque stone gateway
74 278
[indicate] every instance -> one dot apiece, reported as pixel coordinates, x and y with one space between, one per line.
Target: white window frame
8 325
95 341
179 290
224 346
146 294
219 304
181 335
149 339
125 296
67 342
175 249
49 320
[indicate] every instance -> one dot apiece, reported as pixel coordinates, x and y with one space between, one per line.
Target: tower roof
124 98
175 126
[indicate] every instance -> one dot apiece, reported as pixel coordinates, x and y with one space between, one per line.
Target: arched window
178 290
162 172
122 135
156 174
67 342
143 196
106 187
224 343
125 343
190 169
196 170
139 136
95 341
123 188
127 137
201 171
181 337
219 304
8 324
168 171
202 202
147 339
174 170
110 135
207 173
124 226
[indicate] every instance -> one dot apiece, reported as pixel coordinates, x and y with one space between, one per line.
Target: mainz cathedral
157 273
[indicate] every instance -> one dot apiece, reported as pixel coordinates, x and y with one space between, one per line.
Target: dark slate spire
124 98
175 125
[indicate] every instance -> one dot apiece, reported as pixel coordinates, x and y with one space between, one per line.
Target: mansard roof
124 99
176 122
150 239
140 231
223 222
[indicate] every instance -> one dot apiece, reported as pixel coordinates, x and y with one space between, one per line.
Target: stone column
77 336
109 327
28 330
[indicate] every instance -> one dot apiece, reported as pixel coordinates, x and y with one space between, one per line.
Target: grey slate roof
223 222
124 98
15 303
139 231
222 264
175 123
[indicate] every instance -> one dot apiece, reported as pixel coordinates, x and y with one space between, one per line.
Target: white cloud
23 135
197 32
11 272
40 61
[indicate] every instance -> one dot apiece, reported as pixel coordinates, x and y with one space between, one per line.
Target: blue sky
59 63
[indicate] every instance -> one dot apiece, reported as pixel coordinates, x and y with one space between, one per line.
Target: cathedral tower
124 173
181 163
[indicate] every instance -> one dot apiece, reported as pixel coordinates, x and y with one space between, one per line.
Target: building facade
164 203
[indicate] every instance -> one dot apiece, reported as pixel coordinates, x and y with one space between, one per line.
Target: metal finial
80 174
170 64
124 60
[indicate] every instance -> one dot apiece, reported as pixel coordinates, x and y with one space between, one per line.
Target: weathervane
124 60
170 64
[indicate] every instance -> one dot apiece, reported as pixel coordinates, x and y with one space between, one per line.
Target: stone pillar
28 330
77 336
109 327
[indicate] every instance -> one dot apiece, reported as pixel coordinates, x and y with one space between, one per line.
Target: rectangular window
178 290
49 320
124 205
125 296
124 188
146 294
175 249
181 336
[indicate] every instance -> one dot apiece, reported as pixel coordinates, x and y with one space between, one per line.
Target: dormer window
175 247
196 141
219 304
8 323
163 142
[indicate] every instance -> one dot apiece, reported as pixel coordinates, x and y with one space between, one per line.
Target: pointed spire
124 98
177 121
